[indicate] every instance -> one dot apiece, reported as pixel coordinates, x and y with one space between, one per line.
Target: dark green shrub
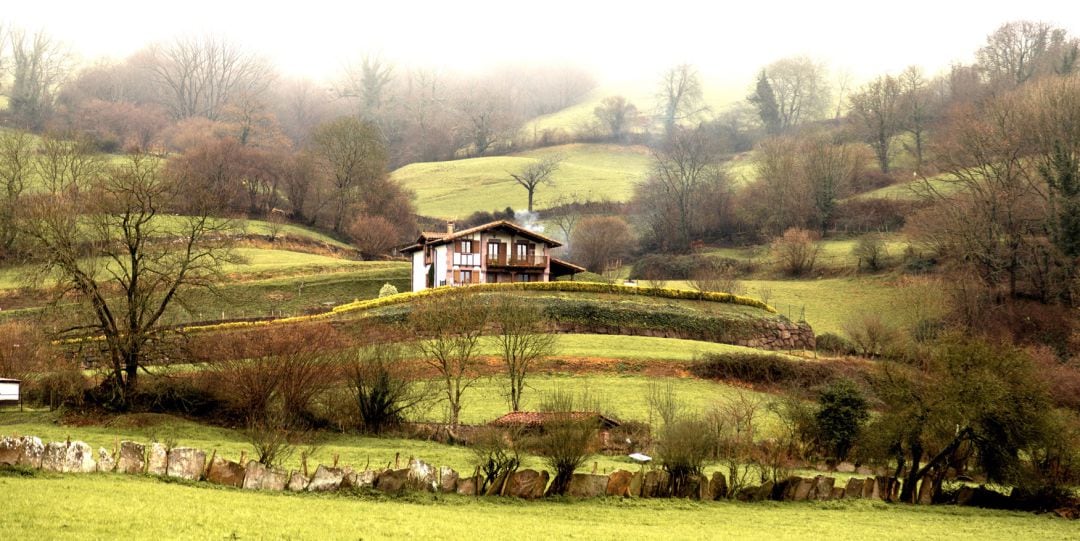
765 369
842 410
834 343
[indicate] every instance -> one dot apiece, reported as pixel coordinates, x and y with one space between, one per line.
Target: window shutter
457 246
457 277
476 277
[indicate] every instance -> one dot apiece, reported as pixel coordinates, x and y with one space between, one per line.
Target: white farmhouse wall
419 271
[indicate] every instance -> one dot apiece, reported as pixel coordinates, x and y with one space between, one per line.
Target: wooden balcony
526 262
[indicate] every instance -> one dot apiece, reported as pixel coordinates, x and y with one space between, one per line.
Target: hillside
458 188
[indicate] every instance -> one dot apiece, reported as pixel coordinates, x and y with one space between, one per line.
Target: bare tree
200 76
601 242
538 173
916 108
680 96
616 115
569 435
100 232
829 169
352 157
522 338
382 386
370 82
17 151
1016 51
876 109
40 64
449 329
681 168
801 89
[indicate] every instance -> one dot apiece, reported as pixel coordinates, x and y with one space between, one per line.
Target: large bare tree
801 89
448 331
17 149
201 76
876 109
40 64
681 170
680 96
522 338
536 174
103 234
352 157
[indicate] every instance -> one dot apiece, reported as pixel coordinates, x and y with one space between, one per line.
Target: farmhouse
495 252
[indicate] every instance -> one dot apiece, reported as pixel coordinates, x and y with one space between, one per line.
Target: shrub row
567 287
765 369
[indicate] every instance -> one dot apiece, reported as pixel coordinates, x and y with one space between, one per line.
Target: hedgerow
566 287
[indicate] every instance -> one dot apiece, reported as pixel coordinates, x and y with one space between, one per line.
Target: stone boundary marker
192 464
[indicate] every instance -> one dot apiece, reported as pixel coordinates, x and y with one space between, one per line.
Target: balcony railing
518 261
467 260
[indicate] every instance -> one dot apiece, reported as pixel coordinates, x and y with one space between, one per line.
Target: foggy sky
619 41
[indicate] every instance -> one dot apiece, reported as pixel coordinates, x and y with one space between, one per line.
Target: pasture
112 506
458 188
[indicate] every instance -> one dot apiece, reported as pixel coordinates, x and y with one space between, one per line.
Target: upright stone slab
837 493
926 490
326 479
186 463
619 483
297 482
225 472
31 451
79 458
157 462
422 476
392 481
526 484
869 489
53 457
132 458
635 484
448 479
584 485
655 484
259 477
466 486
823 487
854 488
803 489
717 486
364 479
106 462
9 451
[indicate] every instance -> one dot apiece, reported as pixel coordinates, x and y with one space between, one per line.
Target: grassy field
134 507
622 396
458 188
834 255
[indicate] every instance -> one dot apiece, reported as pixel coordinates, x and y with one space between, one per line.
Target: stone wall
194 465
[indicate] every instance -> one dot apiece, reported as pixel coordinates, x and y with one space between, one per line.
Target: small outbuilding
534 421
10 391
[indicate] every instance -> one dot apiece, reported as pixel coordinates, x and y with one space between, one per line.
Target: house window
493 251
522 251
466 247
523 277
466 277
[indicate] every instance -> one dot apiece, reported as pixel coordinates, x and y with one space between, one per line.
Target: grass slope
131 507
458 188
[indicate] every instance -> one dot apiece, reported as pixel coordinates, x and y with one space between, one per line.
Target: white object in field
638 457
9 390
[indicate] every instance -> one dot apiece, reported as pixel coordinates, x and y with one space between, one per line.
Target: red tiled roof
538 418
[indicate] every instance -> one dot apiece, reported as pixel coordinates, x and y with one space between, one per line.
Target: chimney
450 227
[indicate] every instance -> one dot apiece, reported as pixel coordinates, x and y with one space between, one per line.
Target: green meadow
136 507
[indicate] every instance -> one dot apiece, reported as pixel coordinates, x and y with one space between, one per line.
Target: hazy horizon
619 42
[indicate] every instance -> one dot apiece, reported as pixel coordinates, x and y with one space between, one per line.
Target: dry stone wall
191 464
